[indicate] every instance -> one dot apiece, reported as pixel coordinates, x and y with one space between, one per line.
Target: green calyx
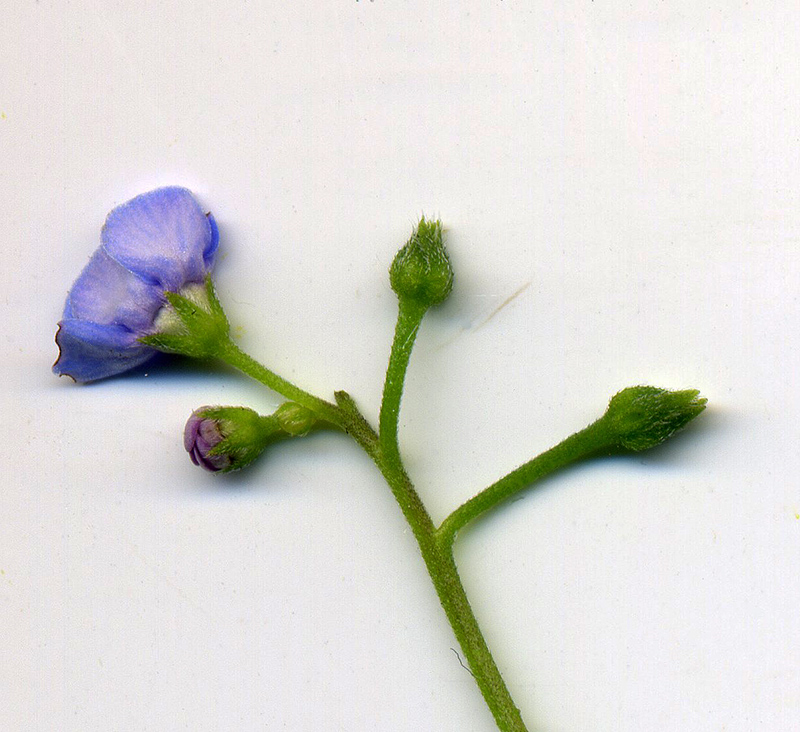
641 417
421 271
191 323
245 434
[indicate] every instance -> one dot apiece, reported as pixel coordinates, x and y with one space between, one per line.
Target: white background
630 169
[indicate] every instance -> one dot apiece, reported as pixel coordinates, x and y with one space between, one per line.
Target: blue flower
158 242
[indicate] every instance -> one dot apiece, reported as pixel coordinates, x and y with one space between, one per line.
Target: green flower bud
421 271
294 419
641 417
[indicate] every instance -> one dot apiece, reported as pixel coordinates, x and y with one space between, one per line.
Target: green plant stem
443 572
234 356
409 317
438 557
592 440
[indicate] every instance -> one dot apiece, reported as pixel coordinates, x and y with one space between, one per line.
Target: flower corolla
158 242
201 435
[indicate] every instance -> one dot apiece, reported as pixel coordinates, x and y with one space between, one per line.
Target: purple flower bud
200 436
158 242
221 439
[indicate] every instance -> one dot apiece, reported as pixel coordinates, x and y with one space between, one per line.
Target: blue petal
91 351
163 236
106 292
210 252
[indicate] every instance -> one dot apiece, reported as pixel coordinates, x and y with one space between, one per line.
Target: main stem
441 566
383 449
438 556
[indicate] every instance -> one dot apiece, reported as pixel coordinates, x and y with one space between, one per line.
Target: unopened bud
421 271
221 439
294 419
641 417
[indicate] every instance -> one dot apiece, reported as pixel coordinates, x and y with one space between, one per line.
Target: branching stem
384 451
592 440
234 356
